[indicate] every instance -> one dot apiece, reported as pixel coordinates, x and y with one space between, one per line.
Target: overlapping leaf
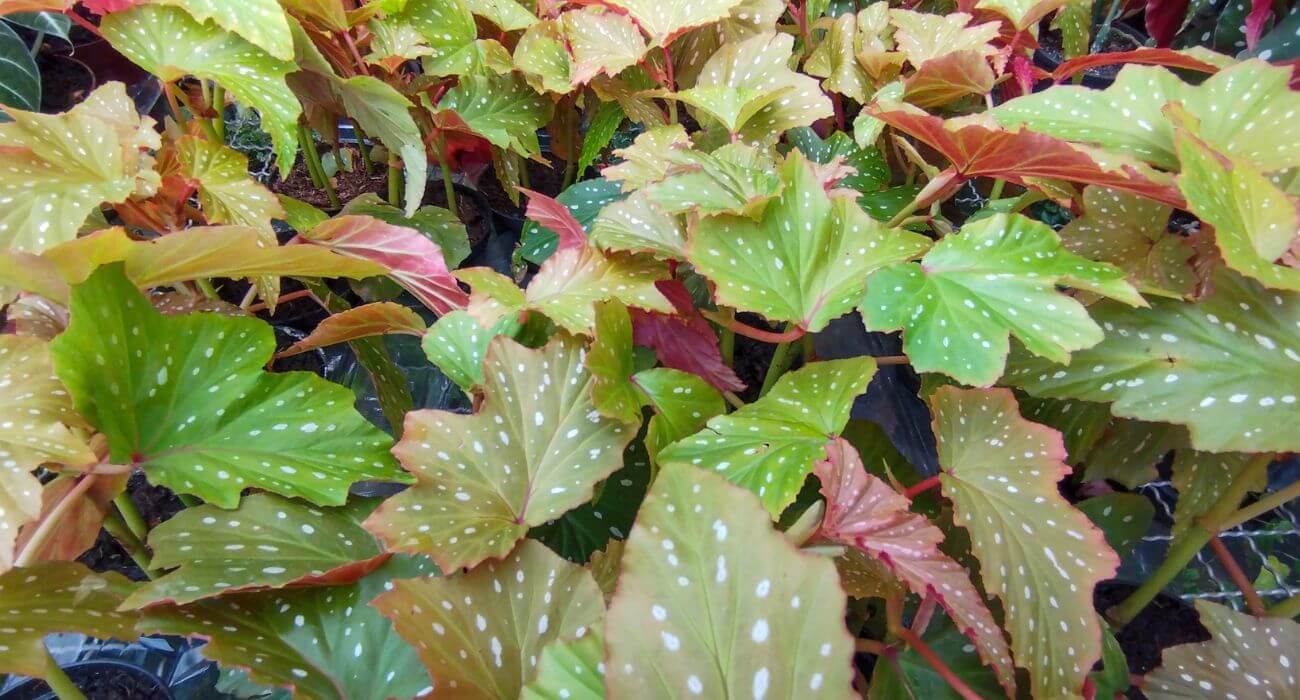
262 22
684 340
385 114
33 429
664 20
647 160
481 634
638 225
456 345
1201 478
863 512
1242 111
734 179
535 449
835 58
368 320
1225 367
1037 553
541 55
771 445
267 542
806 260
1129 232
714 603
683 405
923 36
570 670
501 109
57 169
437 224
602 41
585 200
226 192
183 397
996 278
79 516
1246 657
611 364
170 44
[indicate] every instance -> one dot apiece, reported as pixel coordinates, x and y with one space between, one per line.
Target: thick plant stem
1185 548
174 103
1239 578
448 187
311 158
59 682
366 163
1277 499
913 640
996 191
727 345
219 104
1288 608
131 516
395 182
921 487
728 321
780 360
51 522
116 527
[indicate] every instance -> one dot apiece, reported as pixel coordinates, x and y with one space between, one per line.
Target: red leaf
413 261
1022 157
550 214
863 512
1260 12
684 341
103 7
1164 18
1023 71
1149 57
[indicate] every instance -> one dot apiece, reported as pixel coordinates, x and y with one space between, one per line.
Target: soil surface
349 185
752 357
65 82
100 681
1166 622
546 179
108 555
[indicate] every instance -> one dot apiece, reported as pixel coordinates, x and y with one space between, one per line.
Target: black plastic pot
151 668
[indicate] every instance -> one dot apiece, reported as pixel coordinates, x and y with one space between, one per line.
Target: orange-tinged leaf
379 318
79 519
949 77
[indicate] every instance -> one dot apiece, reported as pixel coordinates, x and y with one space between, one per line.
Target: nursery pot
1123 37
99 679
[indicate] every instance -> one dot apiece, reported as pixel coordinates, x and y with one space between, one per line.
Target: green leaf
1240 109
923 36
1201 478
52 23
1081 424
713 602
771 445
20 79
872 169
908 675
35 412
600 131
262 22
448 28
734 179
56 169
385 114
638 225
611 364
1037 553
566 287
532 398
182 397
570 670
300 215
1254 221
508 15
456 344
226 192
997 277
585 200
1129 232
1122 517
602 42
543 59
1246 657
591 527
57 597
501 109
664 20
170 44
835 58
1169 364
806 260
437 224
647 160
735 67
480 633
267 542
324 642
683 404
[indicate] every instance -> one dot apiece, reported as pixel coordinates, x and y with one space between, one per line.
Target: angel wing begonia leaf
1122 517
553 215
647 160
863 512
734 179
1246 657
1171 363
185 410
909 675
1254 221
267 542
437 224
226 192
1022 13
591 527
870 164
1130 233
664 20
501 109
33 430
1201 478
169 43
323 642
835 58
456 344
684 340
567 286
365 321
570 670
747 18
57 597
602 41
923 36
508 15
638 225
996 278
262 22
806 260
534 450
1129 450
610 362
771 445
1242 112
412 260
950 77
80 514
683 404
757 67
448 28
713 602
541 55
585 200
58 168
1037 553
470 647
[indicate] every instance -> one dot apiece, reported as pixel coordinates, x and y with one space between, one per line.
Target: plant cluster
1091 284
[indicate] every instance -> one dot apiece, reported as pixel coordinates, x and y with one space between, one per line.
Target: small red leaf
413 261
1148 57
1164 18
1260 12
550 214
684 341
103 7
863 512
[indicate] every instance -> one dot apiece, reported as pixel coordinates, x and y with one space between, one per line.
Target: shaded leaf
226 192
437 224
1201 478
683 404
585 200
610 362
20 78
379 318
908 675
647 159
553 215
1246 657
79 520
385 114
1122 517
684 340
1129 232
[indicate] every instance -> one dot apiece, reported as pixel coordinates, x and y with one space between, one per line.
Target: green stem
905 212
36 43
205 286
448 187
780 359
1287 608
311 158
1269 502
1194 540
366 163
395 183
117 527
219 105
524 178
996 191
131 516
59 682
727 339
1103 33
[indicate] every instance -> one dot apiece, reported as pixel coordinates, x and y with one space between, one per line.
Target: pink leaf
103 7
863 512
1260 12
1164 18
550 214
684 341
413 261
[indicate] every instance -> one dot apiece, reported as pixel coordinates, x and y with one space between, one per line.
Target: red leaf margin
549 213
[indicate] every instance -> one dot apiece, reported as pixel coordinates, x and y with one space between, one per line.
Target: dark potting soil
349 185
107 555
101 681
1166 622
546 179
752 357
155 503
467 208
65 81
